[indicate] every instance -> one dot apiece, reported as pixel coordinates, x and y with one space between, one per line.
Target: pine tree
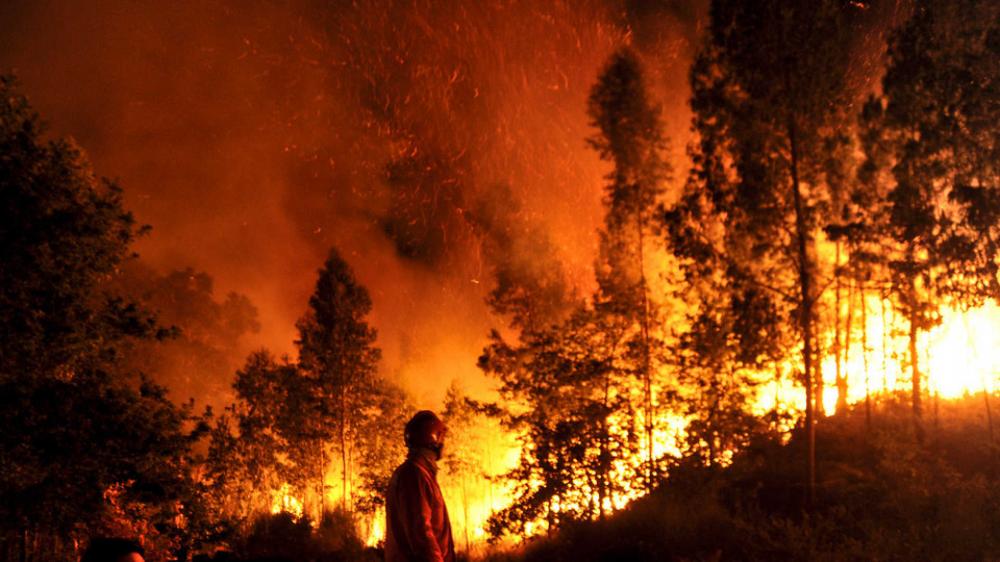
337 354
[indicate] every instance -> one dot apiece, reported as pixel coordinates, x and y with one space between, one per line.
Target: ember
694 280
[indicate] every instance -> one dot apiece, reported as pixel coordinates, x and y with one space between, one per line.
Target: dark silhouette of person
417 528
113 550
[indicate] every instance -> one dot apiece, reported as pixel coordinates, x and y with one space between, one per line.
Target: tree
380 446
569 380
471 438
64 231
721 354
288 417
209 341
336 349
769 96
630 136
76 423
571 412
934 128
361 411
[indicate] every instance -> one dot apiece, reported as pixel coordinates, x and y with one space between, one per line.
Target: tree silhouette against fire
642 410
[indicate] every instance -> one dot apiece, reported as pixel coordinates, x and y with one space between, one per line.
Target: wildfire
376 532
957 357
282 501
964 352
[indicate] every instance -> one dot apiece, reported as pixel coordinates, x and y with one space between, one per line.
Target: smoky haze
252 136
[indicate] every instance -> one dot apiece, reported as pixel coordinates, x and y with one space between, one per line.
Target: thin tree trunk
322 482
343 448
604 475
777 386
864 356
806 319
819 380
465 511
838 336
883 295
842 383
489 469
647 370
914 362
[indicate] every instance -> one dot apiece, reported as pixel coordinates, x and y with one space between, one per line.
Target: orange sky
253 136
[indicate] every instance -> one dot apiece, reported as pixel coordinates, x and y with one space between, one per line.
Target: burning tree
630 136
290 417
931 147
337 354
760 193
569 383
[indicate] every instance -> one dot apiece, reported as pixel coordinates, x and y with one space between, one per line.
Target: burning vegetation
770 335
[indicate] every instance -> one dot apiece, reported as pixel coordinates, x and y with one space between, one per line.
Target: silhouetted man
417 528
113 550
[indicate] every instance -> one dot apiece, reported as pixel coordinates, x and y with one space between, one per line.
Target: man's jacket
417 528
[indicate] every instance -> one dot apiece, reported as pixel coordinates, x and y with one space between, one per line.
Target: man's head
425 430
113 550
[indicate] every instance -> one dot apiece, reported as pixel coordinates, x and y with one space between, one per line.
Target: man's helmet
425 430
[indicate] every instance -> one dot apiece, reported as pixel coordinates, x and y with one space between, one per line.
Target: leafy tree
934 129
468 461
337 353
289 416
770 98
76 424
63 233
571 410
569 383
379 447
209 340
265 413
630 136
720 370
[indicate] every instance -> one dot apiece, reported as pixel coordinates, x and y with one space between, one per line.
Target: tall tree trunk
819 380
465 511
343 449
864 357
883 296
646 367
838 335
322 482
915 361
806 317
489 470
604 471
777 386
843 380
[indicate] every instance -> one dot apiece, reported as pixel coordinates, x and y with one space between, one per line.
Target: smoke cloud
253 136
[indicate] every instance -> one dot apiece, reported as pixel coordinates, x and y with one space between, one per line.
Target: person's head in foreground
113 550
425 432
